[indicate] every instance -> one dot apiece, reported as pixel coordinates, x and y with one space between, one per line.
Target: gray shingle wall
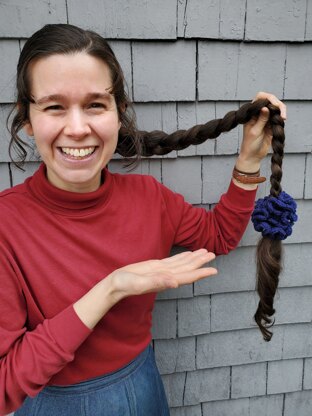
185 62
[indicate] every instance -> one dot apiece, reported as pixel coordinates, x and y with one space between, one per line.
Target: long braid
159 143
269 250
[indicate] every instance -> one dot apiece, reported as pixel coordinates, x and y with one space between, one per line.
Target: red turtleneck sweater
56 245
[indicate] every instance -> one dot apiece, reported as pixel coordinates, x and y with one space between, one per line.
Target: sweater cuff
68 331
240 198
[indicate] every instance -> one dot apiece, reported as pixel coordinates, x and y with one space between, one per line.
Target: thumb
263 118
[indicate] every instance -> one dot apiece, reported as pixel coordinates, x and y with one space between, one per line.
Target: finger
192 262
195 263
157 282
262 119
282 107
194 276
166 264
180 260
273 100
182 256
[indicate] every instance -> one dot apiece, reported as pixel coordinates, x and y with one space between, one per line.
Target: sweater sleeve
218 230
28 359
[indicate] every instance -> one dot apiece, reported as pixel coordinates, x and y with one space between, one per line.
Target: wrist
116 294
247 164
96 303
246 174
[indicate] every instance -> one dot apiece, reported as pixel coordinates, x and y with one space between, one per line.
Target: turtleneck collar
65 202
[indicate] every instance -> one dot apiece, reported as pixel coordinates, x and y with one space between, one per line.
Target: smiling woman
83 252
73 118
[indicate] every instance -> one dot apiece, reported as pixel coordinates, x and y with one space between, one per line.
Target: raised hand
257 136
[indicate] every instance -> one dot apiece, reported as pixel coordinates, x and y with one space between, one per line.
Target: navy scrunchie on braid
275 216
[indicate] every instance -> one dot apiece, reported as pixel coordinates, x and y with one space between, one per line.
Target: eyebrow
60 97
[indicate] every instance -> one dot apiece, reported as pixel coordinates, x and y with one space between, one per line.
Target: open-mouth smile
77 153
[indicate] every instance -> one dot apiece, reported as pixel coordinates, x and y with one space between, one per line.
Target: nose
77 125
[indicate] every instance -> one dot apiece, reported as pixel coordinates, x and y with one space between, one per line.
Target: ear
28 129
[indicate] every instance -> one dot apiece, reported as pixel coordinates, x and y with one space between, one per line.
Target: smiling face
73 119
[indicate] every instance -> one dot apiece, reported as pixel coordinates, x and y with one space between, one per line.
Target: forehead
68 74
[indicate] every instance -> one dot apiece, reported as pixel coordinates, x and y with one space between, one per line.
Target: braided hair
269 250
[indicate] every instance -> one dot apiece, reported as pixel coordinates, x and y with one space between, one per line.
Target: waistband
101 381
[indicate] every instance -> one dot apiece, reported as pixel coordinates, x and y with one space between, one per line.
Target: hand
157 275
257 136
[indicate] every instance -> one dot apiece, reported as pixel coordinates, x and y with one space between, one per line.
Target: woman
83 251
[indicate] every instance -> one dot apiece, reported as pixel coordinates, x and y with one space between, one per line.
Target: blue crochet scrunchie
275 216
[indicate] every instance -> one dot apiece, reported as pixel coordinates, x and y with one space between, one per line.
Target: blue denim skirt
134 390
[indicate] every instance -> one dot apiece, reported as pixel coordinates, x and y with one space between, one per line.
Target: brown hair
67 39
269 252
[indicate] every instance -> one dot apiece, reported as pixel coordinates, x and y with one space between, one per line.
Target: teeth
78 152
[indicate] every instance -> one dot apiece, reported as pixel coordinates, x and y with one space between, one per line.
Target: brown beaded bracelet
248 178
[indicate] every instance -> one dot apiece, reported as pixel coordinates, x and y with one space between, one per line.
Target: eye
97 105
55 107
